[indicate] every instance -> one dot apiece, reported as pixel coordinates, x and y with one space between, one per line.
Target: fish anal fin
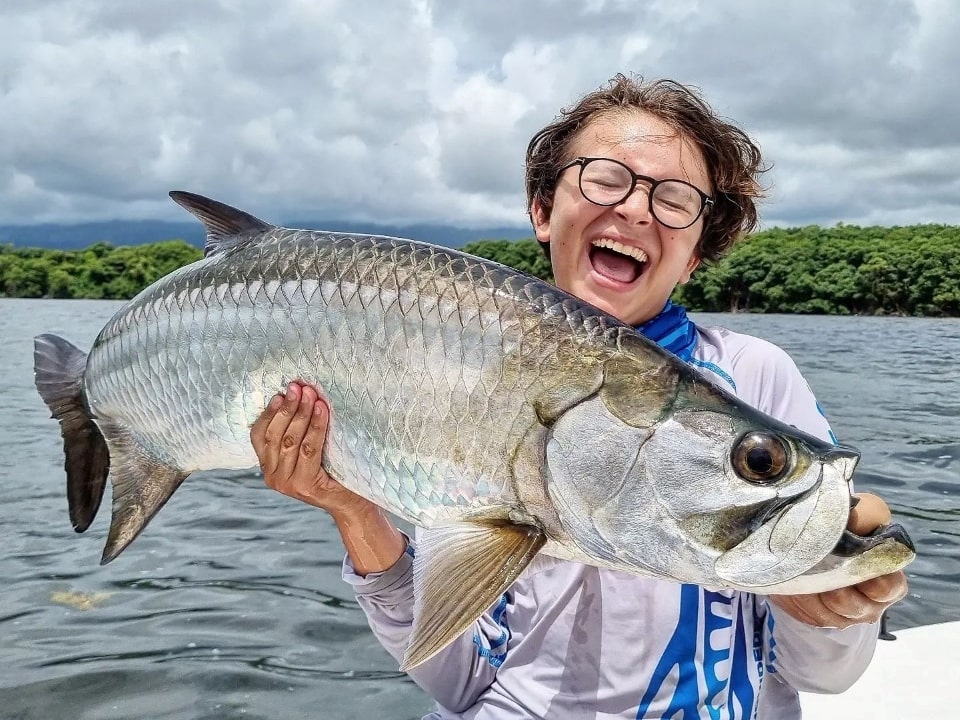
226 226
58 375
142 484
460 570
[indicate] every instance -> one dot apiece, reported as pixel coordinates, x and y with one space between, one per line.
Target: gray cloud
420 110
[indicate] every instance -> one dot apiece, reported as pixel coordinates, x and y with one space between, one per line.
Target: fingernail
275 402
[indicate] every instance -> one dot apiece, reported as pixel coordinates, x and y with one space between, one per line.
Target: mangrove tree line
912 270
101 271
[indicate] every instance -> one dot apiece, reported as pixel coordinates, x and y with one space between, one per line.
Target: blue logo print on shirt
725 696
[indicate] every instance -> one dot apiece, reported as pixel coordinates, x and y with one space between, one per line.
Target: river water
230 605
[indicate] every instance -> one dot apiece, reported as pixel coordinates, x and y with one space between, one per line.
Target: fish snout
843 460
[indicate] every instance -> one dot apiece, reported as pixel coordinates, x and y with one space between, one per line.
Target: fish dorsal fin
459 571
225 225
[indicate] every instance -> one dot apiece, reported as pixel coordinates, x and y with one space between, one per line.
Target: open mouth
852 544
618 262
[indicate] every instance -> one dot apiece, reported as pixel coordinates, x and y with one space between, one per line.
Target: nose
635 207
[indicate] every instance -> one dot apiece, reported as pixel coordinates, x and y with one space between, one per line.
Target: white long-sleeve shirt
574 641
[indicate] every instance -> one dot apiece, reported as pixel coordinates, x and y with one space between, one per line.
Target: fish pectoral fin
141 485
459 571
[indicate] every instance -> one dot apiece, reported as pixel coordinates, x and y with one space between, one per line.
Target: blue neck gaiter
672 330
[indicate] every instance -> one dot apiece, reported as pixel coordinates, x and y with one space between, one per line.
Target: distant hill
139 232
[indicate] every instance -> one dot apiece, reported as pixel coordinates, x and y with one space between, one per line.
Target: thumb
870 513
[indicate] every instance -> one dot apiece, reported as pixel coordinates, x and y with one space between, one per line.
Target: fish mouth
794 534
855 559
851 544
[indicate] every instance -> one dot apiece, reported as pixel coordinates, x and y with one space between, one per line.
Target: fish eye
760 458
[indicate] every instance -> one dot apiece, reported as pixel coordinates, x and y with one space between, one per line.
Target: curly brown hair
734 164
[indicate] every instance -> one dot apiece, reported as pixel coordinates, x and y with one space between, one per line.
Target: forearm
372 542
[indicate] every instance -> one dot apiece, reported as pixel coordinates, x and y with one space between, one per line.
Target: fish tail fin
58 375
142 484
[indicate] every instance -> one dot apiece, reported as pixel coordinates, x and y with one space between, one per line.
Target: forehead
644 142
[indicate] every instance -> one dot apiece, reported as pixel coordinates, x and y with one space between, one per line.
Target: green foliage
841 271
99 271
845 270
523 255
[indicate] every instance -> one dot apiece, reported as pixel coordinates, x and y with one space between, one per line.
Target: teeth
636 253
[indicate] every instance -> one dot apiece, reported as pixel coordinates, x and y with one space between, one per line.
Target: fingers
835 609
861 603
290 426
849 606
808 609
271 449
869 514
301 474
311 449
887 589
258 435
288 437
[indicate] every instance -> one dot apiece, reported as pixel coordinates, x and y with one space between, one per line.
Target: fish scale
321 342
500 414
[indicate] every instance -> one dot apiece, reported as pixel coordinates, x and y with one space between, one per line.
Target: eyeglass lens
674 203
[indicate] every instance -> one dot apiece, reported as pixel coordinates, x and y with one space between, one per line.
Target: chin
611 307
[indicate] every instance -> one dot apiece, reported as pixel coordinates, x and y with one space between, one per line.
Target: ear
541 221
692 264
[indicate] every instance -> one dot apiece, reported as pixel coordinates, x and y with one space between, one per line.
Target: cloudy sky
403 111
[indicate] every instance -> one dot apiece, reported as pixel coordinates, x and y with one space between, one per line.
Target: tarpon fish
502 415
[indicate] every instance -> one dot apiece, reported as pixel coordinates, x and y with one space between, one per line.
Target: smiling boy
628 192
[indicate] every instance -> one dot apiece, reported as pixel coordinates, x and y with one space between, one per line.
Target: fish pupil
760 460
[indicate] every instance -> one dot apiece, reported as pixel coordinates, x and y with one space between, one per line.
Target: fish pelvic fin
459 571
226 226
142 484
58 375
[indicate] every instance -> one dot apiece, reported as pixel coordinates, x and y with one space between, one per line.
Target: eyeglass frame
705 200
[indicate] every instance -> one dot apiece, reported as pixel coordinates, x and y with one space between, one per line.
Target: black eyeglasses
674 203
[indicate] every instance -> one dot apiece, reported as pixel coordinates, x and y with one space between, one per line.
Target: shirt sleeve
459 674
812 659
807 658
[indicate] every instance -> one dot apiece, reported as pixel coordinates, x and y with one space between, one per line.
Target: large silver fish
502 414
